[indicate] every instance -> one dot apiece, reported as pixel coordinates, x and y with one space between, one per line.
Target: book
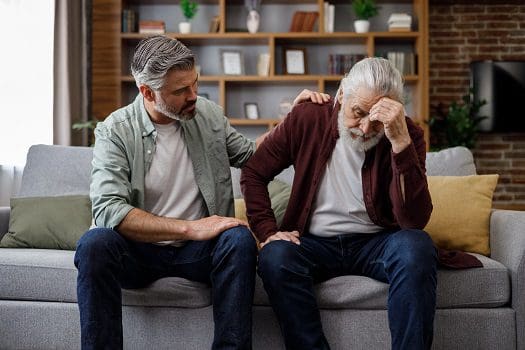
152 27
329 17
297 21
263 64
309 21
215 24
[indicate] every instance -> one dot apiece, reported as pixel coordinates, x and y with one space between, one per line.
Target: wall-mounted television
502 85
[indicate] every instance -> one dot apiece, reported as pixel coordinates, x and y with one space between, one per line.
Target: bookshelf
113 86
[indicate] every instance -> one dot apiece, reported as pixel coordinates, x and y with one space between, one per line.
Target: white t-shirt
339 207
170 187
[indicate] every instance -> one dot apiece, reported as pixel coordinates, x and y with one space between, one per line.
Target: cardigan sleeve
411 202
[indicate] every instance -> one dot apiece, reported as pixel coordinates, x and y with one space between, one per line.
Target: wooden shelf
113 87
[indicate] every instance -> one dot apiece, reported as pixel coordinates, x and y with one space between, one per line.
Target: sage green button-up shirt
124 148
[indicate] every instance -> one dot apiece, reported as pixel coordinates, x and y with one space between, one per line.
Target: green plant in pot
456 125
189 10
364 10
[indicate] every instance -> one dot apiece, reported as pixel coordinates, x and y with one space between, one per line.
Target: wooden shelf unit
112 82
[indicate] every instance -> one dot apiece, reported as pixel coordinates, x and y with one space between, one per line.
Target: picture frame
294 60
251 110
232 62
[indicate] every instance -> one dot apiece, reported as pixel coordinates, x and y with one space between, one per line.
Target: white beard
354 136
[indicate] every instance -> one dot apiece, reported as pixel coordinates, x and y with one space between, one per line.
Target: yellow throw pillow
240 209
461 216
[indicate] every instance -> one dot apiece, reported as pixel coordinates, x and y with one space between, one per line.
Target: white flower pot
185 27
361 26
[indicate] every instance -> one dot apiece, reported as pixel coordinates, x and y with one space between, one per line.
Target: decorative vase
185 27
252 21
361 26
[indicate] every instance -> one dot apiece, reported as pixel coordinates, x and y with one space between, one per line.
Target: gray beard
353 136
163 108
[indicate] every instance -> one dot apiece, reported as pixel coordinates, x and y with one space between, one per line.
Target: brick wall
488 30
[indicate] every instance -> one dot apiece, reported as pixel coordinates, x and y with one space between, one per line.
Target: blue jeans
405 259
107 262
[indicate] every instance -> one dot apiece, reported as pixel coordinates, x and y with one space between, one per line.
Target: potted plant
364 9
457 125
189 10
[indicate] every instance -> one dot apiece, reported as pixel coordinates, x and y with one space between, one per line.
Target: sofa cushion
49 275
461 216
47 222
484 287
454 161
56 171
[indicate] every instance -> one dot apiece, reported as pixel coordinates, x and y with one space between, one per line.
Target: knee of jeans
416 250
238 239
274 261
94 244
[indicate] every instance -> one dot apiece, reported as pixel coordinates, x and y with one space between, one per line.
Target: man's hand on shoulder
313 96
292 236
211 227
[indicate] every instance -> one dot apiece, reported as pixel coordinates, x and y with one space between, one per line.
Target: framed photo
251 110
232 62
294 60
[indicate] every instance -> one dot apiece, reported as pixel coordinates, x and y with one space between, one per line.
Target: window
26 82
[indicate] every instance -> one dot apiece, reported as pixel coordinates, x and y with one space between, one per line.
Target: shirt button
143 133
149 151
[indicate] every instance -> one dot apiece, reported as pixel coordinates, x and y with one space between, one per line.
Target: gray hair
376 74
155 56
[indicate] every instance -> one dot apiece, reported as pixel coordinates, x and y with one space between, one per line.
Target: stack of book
303 21
339 64
129 21
399 22
329 14
405 62
152 27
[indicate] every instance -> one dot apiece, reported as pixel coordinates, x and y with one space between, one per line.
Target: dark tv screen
502 85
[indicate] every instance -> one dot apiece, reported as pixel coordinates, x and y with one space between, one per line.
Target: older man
358 205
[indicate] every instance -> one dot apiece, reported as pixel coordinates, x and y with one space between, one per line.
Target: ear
340 96
147 92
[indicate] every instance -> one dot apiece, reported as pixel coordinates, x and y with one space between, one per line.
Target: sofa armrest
4 220
507 245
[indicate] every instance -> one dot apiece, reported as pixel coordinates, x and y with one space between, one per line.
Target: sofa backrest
63 170
56 171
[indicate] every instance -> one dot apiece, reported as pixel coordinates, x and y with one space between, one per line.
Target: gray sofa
482 308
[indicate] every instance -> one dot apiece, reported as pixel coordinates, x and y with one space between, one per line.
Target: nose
365 125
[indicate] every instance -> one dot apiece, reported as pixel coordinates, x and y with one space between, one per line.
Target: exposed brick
487 155
501 25
502 197
515 154
513 137
499 164
492 146
518 180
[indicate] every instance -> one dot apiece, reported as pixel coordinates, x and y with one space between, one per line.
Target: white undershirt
339 207
170 187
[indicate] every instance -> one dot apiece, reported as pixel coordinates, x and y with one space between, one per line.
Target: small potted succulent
189 10
364 9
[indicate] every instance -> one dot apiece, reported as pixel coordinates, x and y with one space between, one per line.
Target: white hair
375 74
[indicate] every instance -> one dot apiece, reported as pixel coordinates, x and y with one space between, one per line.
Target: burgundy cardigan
306 139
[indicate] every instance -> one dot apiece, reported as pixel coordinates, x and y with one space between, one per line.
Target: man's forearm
139 225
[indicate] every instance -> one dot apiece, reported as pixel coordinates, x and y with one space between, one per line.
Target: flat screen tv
502 85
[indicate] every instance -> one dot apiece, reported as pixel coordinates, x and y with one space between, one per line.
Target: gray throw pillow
47 222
